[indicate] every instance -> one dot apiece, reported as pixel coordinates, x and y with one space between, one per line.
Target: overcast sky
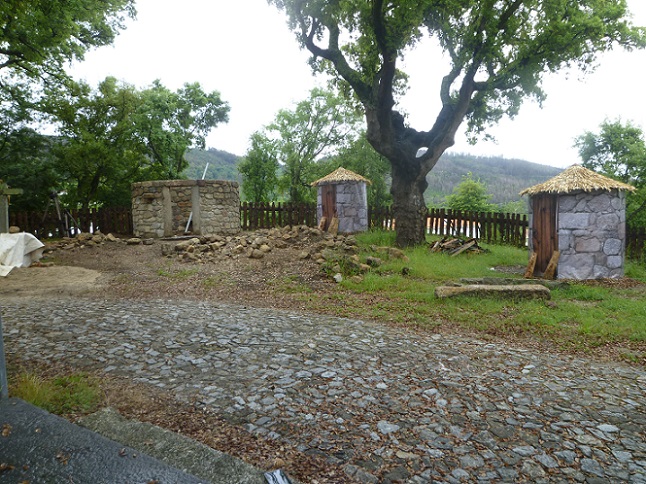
245 50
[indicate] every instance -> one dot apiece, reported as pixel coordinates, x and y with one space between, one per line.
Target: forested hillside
504 178
222 165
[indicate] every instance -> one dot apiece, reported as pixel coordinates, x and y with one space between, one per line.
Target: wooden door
544 230
328 198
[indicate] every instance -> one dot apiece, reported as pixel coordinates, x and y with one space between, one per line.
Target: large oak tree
498 50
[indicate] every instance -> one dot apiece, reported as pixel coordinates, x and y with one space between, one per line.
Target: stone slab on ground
524 291
38 447
189 455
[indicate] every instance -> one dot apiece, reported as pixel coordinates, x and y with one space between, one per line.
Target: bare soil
141 271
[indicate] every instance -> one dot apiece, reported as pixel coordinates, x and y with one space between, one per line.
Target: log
524 291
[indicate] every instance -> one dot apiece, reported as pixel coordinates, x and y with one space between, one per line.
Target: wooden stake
550 272
529 273
323 223
334 226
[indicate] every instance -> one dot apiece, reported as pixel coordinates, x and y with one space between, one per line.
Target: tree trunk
409 207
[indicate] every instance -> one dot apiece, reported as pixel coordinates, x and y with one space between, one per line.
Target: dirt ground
141 271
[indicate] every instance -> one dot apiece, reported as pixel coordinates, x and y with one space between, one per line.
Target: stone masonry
162 208
351 206
592 233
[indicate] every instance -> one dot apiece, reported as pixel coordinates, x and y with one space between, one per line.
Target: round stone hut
167 208
342 198
578 218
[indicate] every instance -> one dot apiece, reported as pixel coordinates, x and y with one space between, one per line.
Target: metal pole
4 390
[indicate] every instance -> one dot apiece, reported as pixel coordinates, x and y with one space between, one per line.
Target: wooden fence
269 215
116 220
487 227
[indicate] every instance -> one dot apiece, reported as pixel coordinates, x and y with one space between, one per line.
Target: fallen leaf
6 430
63 458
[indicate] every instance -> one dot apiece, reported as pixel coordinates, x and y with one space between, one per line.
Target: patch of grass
220 279
76 393
291 284
579 316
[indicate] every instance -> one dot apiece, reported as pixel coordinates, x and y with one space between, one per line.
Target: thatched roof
341 175
574 179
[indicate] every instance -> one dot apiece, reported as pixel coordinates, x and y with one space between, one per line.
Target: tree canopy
108 137
470 195
498 52
259 170
39 37
618 151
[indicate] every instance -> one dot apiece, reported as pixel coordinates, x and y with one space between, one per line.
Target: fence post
4 389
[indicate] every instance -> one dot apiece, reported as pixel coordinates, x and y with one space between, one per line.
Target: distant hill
504 178
222 165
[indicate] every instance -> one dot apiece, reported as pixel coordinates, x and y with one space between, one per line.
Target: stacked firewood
456 245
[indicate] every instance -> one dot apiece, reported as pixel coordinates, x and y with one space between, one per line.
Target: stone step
524 291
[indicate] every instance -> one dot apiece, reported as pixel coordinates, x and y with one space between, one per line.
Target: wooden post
5 191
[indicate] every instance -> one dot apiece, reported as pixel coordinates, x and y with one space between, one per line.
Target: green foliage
318 127
619 151
222 165
470 195
171 122
65 394
26 161
498 53
362 158
259 170
38 39
37 42
516 207
115 135
97 154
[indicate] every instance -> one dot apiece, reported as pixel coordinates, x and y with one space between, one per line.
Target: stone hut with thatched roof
342 198
578 218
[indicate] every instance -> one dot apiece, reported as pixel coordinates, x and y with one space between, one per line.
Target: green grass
579 316
76 393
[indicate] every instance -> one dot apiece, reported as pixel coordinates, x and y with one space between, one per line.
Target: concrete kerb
174 449
37 446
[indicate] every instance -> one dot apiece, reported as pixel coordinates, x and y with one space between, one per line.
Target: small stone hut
163 208
342 195
582 215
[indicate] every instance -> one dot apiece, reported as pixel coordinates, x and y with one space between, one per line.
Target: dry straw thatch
574 179
341 175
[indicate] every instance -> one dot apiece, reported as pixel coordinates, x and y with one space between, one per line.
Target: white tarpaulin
18 250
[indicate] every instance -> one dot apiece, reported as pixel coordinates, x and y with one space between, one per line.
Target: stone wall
592 234
162 208
351 206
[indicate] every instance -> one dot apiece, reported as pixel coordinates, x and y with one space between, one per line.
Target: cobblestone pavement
387 404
